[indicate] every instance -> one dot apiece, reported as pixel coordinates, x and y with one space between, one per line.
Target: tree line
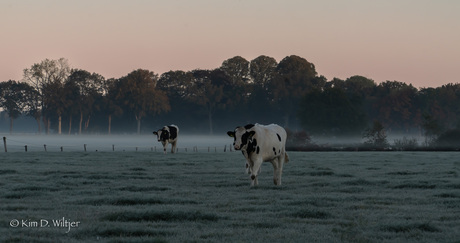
289 92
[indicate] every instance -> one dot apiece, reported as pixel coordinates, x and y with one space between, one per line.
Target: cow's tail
286 157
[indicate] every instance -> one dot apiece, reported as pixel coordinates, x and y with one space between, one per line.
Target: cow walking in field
168 134
260 143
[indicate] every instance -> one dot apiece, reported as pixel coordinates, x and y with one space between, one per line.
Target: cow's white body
259 144
168 134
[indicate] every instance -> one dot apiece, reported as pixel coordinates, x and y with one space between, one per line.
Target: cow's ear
231 134
155 133
251 133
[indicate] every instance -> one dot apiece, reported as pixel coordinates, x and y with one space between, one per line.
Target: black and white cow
260 143
168 134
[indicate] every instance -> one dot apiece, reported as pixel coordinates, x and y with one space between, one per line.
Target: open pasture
205 197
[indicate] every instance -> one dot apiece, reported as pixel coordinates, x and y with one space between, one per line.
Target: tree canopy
290 93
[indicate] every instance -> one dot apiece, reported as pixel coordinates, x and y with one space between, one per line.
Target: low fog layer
104 143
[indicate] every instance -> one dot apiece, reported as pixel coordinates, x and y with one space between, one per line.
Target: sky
411 41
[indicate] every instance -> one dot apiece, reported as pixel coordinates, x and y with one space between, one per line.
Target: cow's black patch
249 126
173 132
258 150
164 135
252 146
279 137
245 137
274 150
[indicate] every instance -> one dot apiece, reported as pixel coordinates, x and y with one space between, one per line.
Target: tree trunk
11 125
138 126
70 124
110 123
45 123
210 123
81 121
87 124
59 124
48 124
39 125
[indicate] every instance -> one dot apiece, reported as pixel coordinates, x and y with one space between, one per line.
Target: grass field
205 197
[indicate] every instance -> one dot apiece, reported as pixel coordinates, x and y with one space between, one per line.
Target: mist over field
16 142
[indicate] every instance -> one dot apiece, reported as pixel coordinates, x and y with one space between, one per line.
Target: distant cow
168 134
260 143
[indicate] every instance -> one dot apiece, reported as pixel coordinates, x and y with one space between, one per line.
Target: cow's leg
173 146
276 169
254 170
165 144
247 168
281 161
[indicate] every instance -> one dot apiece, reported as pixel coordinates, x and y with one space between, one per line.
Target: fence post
225 148
84 146
62 148
25 147
113 147
4 144
136 149
44 145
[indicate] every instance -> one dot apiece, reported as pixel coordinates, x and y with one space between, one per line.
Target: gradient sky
412 41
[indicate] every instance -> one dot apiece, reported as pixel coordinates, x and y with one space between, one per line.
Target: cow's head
162 134
241 137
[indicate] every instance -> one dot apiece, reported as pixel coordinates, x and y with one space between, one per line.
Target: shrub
376 136
406 143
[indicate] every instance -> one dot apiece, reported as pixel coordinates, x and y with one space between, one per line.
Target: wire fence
15 145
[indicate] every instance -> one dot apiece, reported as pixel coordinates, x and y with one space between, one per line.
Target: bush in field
449 139
376 136
405 143
298 139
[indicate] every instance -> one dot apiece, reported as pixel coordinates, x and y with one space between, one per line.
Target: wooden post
62 148
44 145
225 148
113 147
84 146
25 147
136 149
4 144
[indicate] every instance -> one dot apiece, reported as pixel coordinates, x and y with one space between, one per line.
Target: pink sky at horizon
412 41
